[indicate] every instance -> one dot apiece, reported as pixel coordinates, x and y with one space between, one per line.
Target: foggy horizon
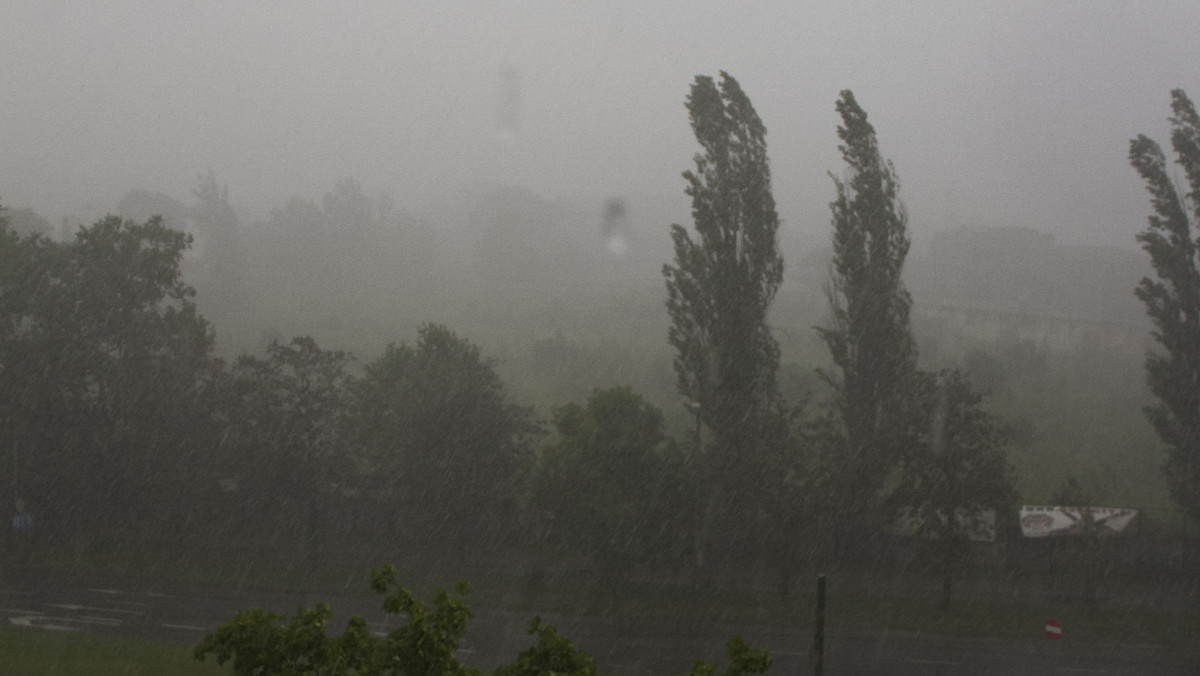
1017 115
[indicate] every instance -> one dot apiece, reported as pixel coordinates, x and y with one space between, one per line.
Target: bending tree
1173 299
870 340
720 288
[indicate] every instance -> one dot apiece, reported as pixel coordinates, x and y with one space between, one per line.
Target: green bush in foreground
259 644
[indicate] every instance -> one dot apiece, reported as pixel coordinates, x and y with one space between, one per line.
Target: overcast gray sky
1009 113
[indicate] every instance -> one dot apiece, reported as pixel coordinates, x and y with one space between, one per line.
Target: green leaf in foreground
259 643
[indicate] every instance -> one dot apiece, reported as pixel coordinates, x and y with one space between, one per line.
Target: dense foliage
107 371
718 293
954 482
256 643
1173 299
870 339
285 432
615 487
438 430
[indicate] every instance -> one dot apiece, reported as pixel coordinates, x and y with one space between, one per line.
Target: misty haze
868 333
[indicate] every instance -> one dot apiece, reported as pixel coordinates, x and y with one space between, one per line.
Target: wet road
621 648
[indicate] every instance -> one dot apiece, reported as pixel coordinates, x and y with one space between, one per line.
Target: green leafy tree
221 267
1083 557
16 433
436 424
108 365
26 222
552 654
742 660
347 208
259 643
608 482
955 481
141 205
1173 299
329 262
14 261
792 501
719 291
287 421
870 339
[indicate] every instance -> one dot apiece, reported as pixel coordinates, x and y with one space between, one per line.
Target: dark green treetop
611 482
288 410
435 419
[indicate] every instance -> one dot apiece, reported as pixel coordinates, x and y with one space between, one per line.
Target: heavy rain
599 338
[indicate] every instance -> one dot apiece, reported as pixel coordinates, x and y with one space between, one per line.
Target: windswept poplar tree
1173 299
720 287
870 340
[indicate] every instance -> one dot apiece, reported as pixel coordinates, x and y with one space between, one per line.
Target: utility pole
819 638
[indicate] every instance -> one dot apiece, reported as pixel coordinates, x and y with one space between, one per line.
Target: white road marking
20 611
77 607
45 622
28 621
944 663
35 618
113 592
92 619
185 627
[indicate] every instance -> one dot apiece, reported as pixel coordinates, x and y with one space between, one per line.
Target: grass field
36 652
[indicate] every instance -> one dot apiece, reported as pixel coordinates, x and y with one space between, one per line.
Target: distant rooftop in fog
1022 271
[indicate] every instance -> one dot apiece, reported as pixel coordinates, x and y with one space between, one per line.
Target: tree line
118 416
891 437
